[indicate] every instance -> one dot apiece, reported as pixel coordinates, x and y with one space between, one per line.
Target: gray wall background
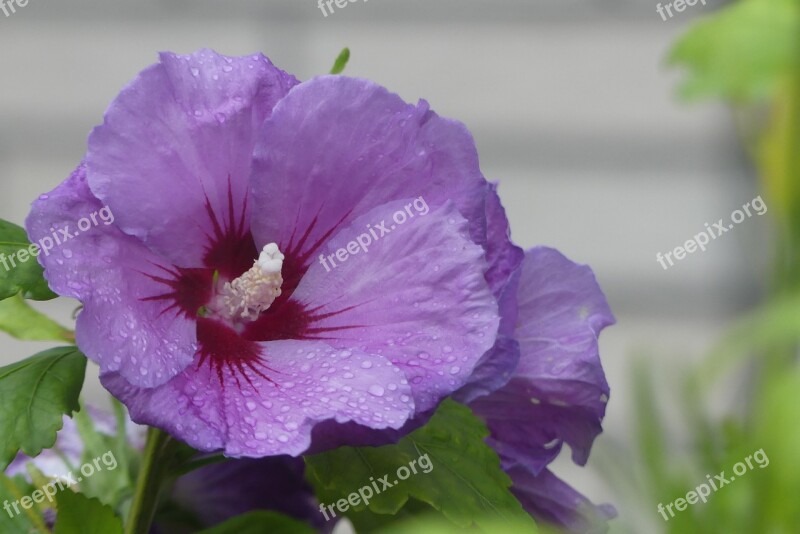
569 100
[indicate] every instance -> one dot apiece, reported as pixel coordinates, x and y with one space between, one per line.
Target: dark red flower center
231 251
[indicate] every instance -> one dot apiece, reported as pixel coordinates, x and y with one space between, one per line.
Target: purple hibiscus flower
558 391
227 303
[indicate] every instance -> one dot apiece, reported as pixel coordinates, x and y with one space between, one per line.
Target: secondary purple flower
209 304
558 392
218 492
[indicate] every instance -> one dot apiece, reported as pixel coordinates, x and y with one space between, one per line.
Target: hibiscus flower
207 304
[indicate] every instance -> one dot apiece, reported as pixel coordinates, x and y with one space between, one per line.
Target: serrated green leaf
34 396
465 483
17 276
259 523
78 514
19 320
341 61
17 519
741 52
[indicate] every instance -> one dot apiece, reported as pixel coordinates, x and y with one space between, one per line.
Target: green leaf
461 476
341 61
259 523
112 481
78 514
775 325
36 393
434 525
17 519
740 53
16 275
21 321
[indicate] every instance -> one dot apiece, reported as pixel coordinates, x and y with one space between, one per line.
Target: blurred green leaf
21 321
28 520
341 61
777 432
78 514
465 483
259 523
650 433
435 525
740 53
17 276
775 325
37 393
110 484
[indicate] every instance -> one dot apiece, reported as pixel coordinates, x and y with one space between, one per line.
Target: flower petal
271 409
548 498
362 146
558 392
176 145
117 329
417 296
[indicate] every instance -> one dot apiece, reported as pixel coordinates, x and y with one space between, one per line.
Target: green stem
158 455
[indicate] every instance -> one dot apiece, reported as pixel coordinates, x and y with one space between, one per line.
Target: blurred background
574 112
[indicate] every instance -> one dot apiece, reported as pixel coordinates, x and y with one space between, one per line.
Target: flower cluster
210 317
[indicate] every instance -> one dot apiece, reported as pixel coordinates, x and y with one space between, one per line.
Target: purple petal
249 414
417 296
548 498
117 328
336 148
558 392
503 256
177 143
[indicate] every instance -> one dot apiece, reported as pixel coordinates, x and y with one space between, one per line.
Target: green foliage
111 486
21 321
742 53
341 61
37 392
259 523
20 277
29 520
78 514
466 483
434 525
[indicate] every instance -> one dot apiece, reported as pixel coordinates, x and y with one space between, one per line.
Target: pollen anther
255 291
